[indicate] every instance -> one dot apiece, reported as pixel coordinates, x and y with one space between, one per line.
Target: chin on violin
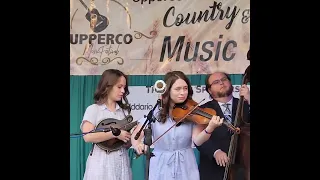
190 111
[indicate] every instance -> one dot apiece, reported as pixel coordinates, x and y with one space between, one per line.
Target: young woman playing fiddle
174 157
109 96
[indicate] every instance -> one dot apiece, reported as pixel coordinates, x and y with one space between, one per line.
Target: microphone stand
148 136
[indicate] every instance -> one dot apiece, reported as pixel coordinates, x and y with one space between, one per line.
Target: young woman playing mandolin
174 157
109 96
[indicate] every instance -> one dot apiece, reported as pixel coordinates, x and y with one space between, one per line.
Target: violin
190 111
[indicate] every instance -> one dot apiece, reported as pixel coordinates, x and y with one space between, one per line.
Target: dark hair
108 79
208 85
170 78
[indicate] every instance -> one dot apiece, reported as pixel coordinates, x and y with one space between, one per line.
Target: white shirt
224 108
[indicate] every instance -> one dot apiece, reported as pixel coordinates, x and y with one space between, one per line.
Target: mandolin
124 124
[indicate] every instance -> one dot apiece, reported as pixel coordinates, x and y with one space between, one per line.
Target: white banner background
135 36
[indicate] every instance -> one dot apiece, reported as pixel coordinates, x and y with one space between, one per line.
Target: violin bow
172 126
178 122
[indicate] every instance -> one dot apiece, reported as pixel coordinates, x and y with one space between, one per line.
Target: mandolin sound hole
93 16
104 124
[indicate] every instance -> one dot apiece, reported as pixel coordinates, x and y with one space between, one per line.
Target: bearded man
214 152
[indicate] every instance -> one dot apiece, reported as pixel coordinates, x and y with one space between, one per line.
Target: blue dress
174 157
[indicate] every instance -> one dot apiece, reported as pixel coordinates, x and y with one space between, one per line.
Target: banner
142 98
152 37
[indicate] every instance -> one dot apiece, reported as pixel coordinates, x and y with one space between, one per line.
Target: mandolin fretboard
130 125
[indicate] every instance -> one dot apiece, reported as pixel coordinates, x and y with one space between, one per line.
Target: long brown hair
170 78
108 79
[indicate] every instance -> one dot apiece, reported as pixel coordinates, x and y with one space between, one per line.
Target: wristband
206 131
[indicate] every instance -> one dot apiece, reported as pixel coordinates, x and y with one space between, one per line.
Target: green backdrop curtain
81 96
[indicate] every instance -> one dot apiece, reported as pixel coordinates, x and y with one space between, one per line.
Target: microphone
147 137
93 131
159 102
160 87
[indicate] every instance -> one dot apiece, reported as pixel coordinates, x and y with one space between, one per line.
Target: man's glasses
218 81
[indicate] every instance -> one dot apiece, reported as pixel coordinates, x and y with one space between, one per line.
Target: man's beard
225 94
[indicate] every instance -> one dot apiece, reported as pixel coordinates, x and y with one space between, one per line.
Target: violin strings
202 113
194 108
231 154
207 115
